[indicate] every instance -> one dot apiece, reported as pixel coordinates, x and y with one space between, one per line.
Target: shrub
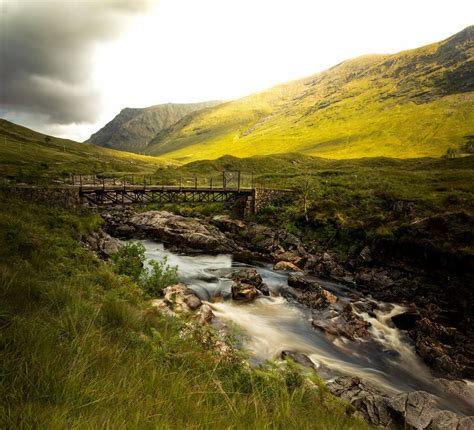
160 276
129 260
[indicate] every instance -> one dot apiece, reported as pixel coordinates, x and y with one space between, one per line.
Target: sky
68 67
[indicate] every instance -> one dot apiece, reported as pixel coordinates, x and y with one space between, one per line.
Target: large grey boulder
184 233
415 410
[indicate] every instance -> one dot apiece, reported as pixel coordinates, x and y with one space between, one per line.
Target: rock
103 244
182 232
247 276
368 307
205 314
180 298
458 389
286 265
250 277
346 324
299 358
443 348
365 254
406 320
414 410
325 265
369 402
244 292
313 294
227 224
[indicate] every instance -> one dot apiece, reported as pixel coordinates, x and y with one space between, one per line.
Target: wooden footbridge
93 191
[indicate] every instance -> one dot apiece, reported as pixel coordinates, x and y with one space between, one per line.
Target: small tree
160 276
129 260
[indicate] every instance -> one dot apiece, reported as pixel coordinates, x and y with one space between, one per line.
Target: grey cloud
46 54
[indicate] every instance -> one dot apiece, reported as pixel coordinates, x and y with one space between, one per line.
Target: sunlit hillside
25 153
411 104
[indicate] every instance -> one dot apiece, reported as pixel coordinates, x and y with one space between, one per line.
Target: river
272 324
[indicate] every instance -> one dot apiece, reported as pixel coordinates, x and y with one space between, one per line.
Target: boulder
184 233
299 358
181 299
103 244
250 277
205 314
414 410
406 320
443 348
286 265
310 292
347 324
244 292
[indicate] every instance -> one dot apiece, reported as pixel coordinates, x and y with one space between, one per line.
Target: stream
272 324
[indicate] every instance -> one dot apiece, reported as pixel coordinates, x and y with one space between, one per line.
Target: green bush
160 276
129 260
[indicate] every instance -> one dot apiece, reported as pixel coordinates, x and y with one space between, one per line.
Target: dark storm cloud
46 54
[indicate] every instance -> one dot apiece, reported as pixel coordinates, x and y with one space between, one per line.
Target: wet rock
286 265
460 390
310 292
368 307
298 357
181 299
406 320
182 232
414 410
250 277
205 314
347 324
244 292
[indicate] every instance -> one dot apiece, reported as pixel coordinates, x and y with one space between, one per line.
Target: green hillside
132 129
25 153
412 104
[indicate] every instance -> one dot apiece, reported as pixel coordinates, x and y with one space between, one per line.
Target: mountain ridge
414 103
133 128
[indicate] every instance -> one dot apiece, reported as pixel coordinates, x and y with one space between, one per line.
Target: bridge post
211 184
195 182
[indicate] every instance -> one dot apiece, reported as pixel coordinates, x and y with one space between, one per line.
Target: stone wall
66 197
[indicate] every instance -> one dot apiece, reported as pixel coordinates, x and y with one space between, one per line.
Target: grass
80 347
26 155
415 103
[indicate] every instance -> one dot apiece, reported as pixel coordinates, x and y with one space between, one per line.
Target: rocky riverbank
438 320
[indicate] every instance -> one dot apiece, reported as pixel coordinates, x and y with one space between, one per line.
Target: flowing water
270 325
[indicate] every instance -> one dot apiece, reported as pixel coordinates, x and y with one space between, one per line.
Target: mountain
411 104
132 129
25 154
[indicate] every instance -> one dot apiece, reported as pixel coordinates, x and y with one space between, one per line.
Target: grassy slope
81 348
25 153
412 104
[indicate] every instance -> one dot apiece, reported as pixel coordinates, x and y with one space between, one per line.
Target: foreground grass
81 348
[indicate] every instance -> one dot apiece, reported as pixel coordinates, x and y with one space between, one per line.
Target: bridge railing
217 180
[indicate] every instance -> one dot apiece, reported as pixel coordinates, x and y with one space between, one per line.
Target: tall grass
80 347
